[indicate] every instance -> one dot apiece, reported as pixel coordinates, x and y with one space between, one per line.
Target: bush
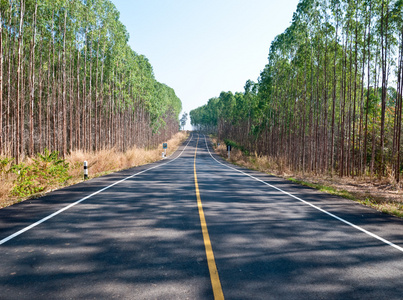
4 165
234 145
46 171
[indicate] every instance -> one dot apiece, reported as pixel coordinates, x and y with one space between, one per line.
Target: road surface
195 227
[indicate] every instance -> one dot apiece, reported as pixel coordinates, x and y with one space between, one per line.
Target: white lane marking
310 204
10 237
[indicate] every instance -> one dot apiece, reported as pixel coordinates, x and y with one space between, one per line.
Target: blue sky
201 48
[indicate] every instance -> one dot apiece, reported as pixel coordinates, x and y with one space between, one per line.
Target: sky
203 47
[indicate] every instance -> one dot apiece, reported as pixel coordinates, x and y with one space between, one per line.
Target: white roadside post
85 170
229 151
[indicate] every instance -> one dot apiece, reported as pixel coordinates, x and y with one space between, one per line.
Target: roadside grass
382 195
383 205
45 172
324 188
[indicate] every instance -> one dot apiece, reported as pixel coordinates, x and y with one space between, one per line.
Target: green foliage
183 120
324 188
46 171
5 165
165 103
25 183
235 145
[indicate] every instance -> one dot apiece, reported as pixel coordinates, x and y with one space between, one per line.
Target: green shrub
4 165
234 145
47 170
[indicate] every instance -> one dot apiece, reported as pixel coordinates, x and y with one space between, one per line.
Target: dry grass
110 160
100 163
5 188
259 163
382 194
6 182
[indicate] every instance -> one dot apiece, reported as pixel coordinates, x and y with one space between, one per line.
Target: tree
323 102
71 82
1 79
183 120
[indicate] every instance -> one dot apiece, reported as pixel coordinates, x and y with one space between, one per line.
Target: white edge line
310 204
10 237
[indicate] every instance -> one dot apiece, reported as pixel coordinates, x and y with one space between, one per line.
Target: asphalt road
138 234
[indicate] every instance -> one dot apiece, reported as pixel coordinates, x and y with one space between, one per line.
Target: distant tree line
69 81
330 98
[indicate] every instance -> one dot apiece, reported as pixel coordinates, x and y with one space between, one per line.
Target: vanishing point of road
195 227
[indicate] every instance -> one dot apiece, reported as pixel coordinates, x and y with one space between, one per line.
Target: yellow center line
215 279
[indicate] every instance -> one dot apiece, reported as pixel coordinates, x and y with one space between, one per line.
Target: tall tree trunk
78 108
32 85
48 97
20 98
71 100
362 106
353 169
40 109
102 111
84 101
368 90
89 101
54 88
342 108
64 99
372 166
11 46
384 49
1 85
334 101
96 98
325 119
398 117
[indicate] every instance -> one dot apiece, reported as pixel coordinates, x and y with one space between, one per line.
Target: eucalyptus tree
324 94
206 117
69 80
397 19
19 137
384 29
1 74
183 120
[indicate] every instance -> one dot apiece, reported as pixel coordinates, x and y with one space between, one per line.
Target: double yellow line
215 279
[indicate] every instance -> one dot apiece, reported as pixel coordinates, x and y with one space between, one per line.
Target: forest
329 100
70 81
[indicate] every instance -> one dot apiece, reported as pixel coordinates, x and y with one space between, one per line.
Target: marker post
229 151
85 170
